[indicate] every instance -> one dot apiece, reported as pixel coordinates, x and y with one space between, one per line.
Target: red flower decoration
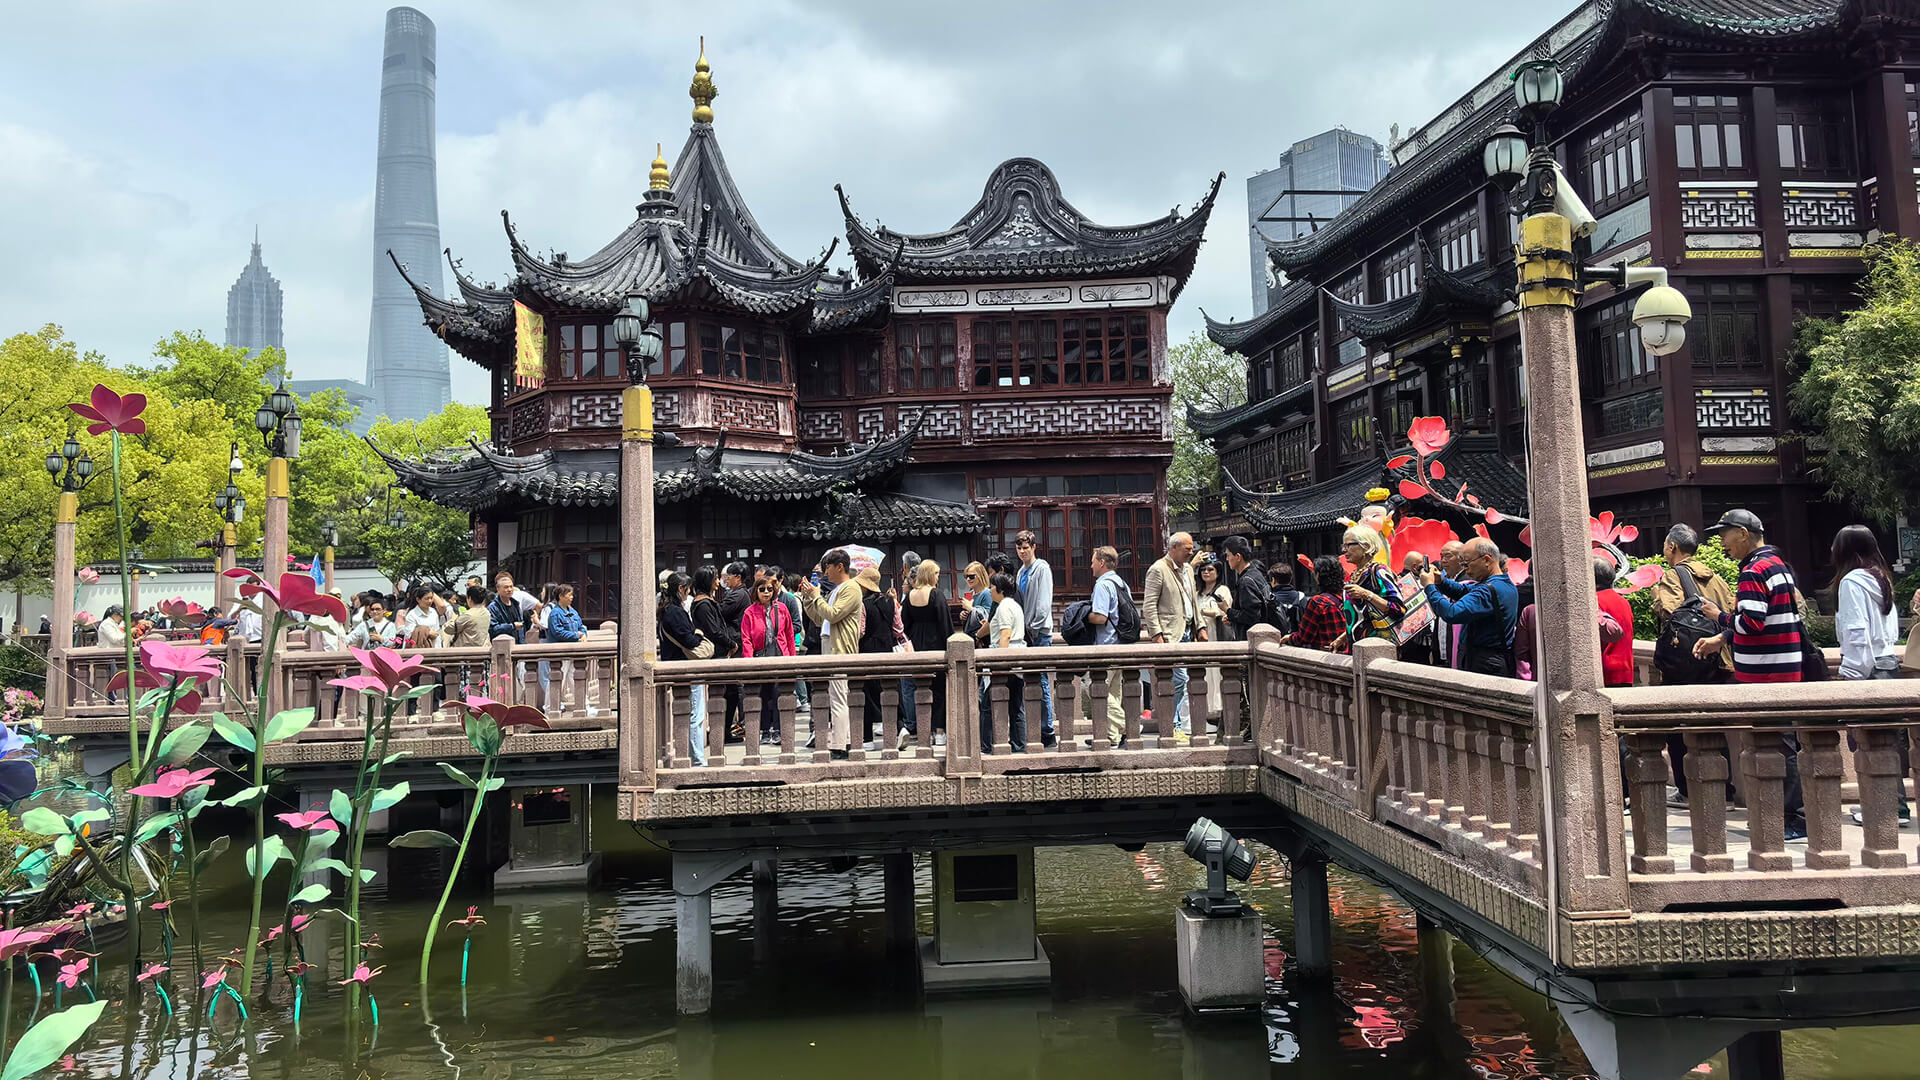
298 969
1421 535
160 905
503 714
80 911
1640 577
1429 435
172 783
1411 491
70 973
1400 462
14 942
181 662
310 821
1518 572
151 972
185 705
297 594
178 609
111 412
362 975
213 978
472 920
385 670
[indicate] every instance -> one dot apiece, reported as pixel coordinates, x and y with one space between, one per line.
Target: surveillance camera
1567 204
1661 313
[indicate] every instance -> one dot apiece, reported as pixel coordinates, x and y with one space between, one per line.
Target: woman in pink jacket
766 629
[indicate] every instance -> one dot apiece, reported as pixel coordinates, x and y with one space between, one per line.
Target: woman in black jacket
713 626
928 621
876 636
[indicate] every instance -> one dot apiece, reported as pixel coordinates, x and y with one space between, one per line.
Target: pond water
567 984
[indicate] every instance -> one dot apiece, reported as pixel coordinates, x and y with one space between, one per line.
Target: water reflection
565 984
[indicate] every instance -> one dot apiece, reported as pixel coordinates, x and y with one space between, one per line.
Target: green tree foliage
1206 378
170 472
1645 626
436 543
1859 388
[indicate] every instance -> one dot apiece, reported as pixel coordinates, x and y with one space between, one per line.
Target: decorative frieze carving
1109 294
1137 418
1737 444
1732 409
823 425
1038 295
596 409
870 425
742 413
1718 208
1050 295
1621 454
1805 207
929 298
1724 242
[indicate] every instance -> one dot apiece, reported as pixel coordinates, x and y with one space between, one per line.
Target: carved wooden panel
1138 418
528 420
823 425
745 413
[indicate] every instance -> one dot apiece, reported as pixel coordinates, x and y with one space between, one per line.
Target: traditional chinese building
1009 372
1752 147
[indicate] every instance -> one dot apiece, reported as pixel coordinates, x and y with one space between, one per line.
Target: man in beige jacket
838 612
1170 613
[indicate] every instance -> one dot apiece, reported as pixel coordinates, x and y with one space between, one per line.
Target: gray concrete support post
1756 1056
1312 916
897 874
1582 788
766 907
1436 967
693 953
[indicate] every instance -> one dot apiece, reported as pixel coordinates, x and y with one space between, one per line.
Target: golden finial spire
657 179
702 91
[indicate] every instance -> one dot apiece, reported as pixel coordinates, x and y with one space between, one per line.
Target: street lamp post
1588 874
638 645
278 421
232 507
71 469
134 556
330 539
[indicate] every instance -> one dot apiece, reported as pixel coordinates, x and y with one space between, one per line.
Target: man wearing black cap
1765 628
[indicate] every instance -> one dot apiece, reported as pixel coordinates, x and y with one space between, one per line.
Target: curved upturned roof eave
705 186
1235 336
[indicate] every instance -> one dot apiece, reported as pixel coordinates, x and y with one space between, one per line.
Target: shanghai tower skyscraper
406 364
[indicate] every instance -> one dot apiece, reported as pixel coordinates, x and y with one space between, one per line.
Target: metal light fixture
279 423
399 519
1224 857
638 340
1538 86
70 466
234 465
329 534
1505 155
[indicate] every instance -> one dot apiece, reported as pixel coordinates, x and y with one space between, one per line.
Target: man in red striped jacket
1766 629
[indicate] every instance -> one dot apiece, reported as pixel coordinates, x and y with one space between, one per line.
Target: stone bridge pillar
695 873
548 840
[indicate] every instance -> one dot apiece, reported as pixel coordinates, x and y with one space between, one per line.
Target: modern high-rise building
253 306
1336 160
406 364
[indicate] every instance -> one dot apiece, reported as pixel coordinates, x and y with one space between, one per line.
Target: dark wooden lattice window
926 352
735 352
1618 359
1823 297
1109 348
1647 512
588 351
1513 394
1913 118
1724 336
1457 239
1290 363
1816 136
1353 428
1613 163
1260 376
1709 131
1400 271
1294 445
1350 289
1406 399
1466 390
823 367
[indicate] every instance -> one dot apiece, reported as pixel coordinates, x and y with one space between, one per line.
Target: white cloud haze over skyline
141 144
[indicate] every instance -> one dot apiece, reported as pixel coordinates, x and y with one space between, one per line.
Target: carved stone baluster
1525 836
1457 745
1097 691
1707 769
716 728
789 724
1230 690
1765 771
1479 744
579 675
682 741
1434 723
1646 777
1161 679
750 723
1821 769
1407 720
1130 698
1499 781
889 719
997 704
1877 761
1036 713
1066 719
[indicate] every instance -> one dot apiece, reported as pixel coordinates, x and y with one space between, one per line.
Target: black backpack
1126 628
1673 649
1281 614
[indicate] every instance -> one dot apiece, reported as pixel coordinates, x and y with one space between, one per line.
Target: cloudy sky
141 143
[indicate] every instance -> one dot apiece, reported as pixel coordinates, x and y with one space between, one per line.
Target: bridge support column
897 873
983 921
1220 961
766 907
1756 1056
1436 967
548 841
694 876
1312 916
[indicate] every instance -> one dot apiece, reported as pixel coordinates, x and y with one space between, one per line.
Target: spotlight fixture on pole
1224 857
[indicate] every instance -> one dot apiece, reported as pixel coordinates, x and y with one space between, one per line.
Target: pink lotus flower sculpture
384 671
211 979
151 972
472 920
1421 535
362 975
109 411
1606 532
88 576
1429 435
85 618
296 593
70 973
80 911
1640 577
160 905
316 821
295 924
17 941
173 783
186 704
180 610
298 968
507 716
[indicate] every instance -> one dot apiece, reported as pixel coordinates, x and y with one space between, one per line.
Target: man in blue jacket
1486 608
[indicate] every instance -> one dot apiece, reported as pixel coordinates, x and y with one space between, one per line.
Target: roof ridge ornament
657 179
703 91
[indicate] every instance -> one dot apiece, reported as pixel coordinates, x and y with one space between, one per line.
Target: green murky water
579 983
